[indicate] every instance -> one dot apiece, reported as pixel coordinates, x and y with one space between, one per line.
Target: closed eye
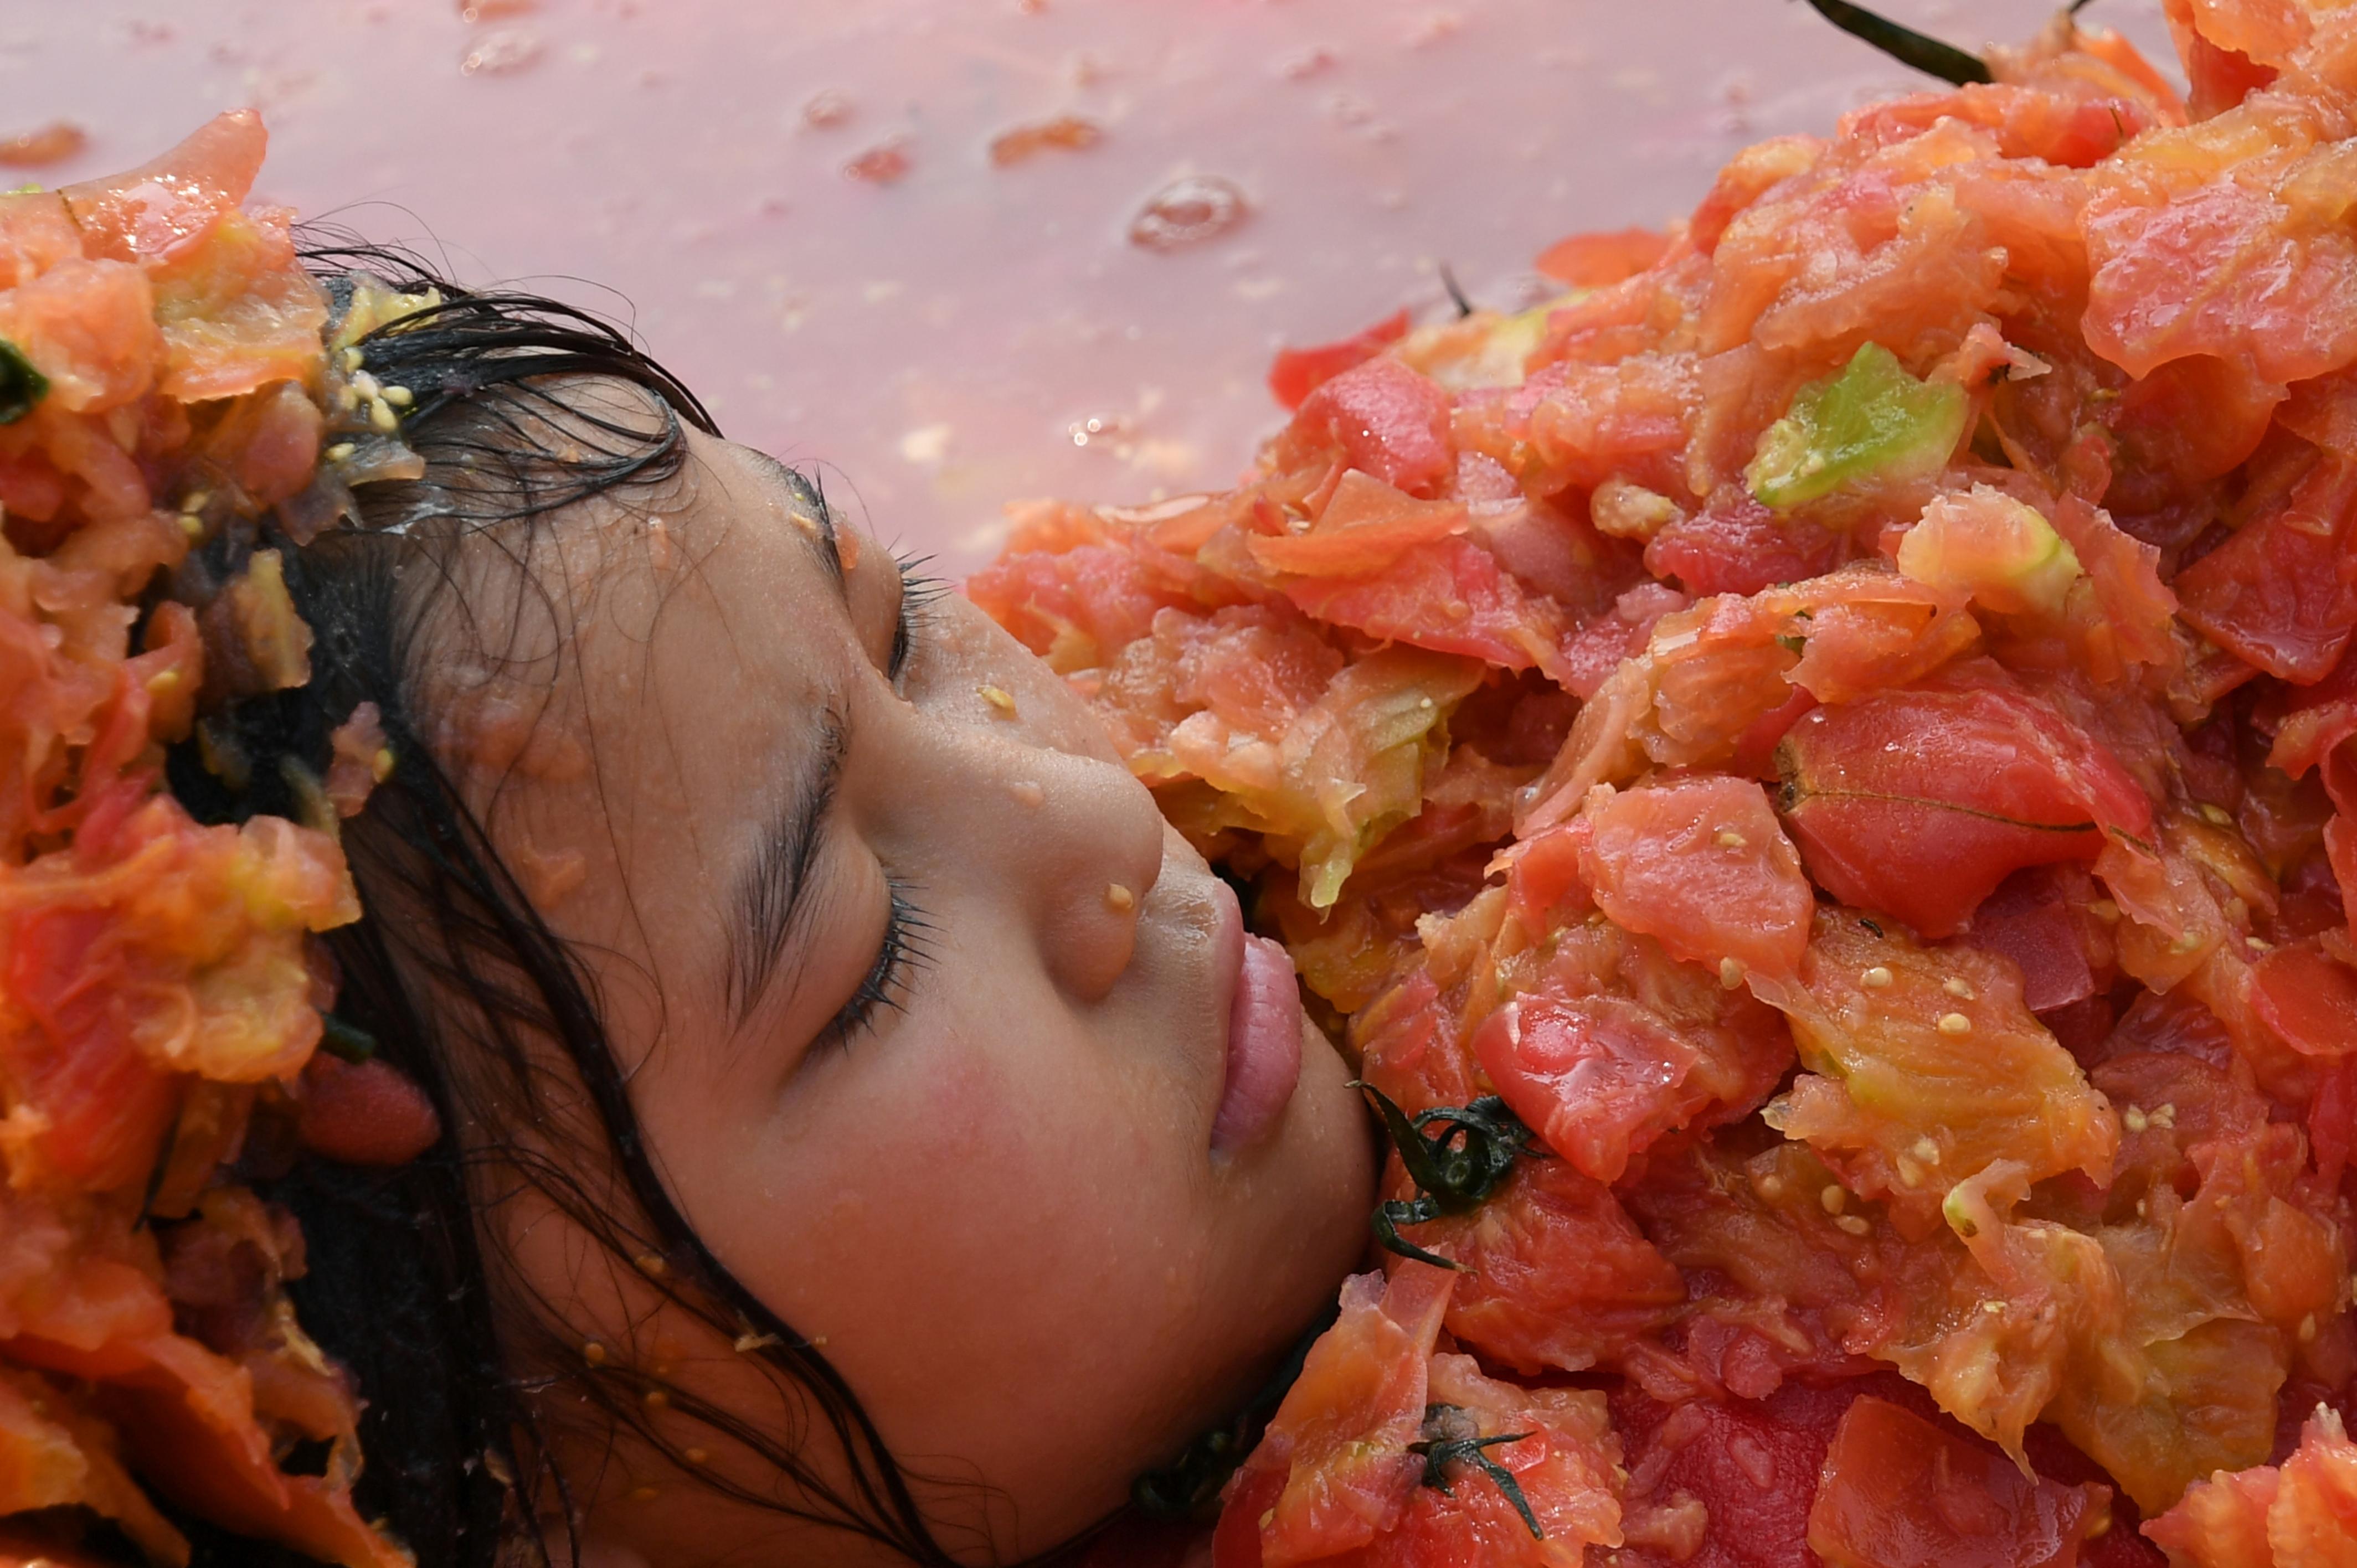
919 593
885 986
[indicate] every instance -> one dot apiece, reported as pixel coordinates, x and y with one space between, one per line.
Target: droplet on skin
550 878
502 51
887 163
52 143
1188 210
1065 133
498 731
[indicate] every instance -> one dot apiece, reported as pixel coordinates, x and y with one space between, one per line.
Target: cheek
979 1208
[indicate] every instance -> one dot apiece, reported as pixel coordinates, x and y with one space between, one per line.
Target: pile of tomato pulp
1830 743
165 379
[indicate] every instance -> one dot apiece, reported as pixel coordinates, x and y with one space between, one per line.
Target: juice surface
976 329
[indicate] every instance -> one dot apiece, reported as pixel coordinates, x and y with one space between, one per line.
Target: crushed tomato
1844 725
161 989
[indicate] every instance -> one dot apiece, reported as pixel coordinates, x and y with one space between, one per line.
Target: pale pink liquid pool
958 329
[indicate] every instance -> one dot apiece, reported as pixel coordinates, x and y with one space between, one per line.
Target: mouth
1263 1056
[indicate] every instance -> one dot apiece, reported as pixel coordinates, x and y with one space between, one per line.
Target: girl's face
946 1045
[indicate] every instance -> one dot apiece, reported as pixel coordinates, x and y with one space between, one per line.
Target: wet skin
995 1198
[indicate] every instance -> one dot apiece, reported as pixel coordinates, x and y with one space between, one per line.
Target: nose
1068 840
1080 846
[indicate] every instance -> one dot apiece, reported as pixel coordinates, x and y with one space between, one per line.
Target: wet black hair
463 987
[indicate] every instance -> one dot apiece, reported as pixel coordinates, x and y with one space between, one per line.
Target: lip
1263 1033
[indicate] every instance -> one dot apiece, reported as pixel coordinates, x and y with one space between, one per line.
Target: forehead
668 657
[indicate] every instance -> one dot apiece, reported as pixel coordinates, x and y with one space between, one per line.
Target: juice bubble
1188 210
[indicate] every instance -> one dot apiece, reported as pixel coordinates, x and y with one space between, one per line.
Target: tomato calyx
21 386
1187 1489
1455 1170
342 1039
1909 48
1451 1438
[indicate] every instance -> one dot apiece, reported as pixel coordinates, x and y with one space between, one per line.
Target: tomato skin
1560 1278
1236 1542
90 326
2282 593
1735 545
166 210
1597 1077
2190 420
2300 1514
1562 1462
2219 77
1596 260
1294 373
1340 1439
1364 526
2037 919
2308 998
1383 419
1753 1464
1448 596
1898 1492
1080 603
105 1107
1918 803
2214 268
1701 866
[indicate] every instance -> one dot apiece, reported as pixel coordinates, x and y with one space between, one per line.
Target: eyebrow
773 894
820 535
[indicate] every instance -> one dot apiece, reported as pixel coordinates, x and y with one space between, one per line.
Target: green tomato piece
1872 422
1985 543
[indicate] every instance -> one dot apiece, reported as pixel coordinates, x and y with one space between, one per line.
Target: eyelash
903 951
885 987
918 593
